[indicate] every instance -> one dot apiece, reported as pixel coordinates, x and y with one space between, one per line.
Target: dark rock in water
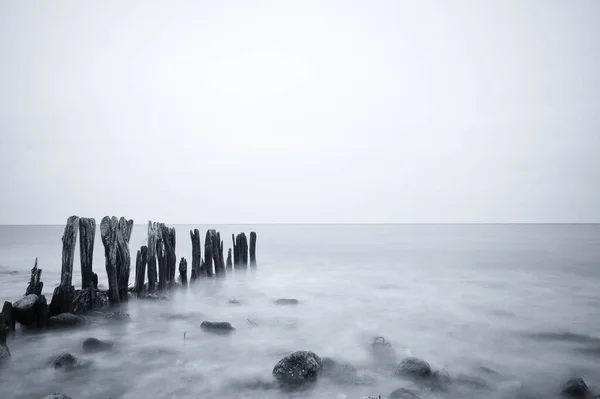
92 345
234 302
56 396
41 309
298 368
415 367
24 310
440 380
4 353
371 397
576 388
403 393
344 373
66 320
287 301
90 299
9 318
217 327
118 316
64 361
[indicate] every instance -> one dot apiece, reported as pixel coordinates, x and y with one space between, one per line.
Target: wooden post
152 272
9 318
123 257
162 262
196 254
217 252
35 285
183 271
208 254
62 298
140 269
168 236
108 232
252 249
229 264
87 233
221 259
245 250
235 253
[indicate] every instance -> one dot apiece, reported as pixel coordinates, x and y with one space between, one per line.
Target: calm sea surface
510 311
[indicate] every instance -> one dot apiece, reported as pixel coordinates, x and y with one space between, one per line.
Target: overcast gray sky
300 111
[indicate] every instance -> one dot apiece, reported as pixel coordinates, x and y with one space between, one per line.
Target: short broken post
124 229
196 254
62 299
152 271
168 236
87 233
108 232
183 272
35 284
252 249
229 264
140 269
208 254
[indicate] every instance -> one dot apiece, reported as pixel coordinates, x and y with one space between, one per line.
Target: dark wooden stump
62 298
196 254
228 266
208 254
35 284
244 250
235 250
240 252
152 242
216 252
108 232
87 233
162 262
252 249
9 318
124 229
140 269
183 271
168 236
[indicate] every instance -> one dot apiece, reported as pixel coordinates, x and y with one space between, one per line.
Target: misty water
509 311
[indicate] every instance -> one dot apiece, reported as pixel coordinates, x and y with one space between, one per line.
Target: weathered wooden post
252 249
208 254
168 236
152 272
229 264
35 284
244 250
108 232
183 271
235 251
87 233
196 254
217 252
240 251
62 298
162 261
124 229
140 269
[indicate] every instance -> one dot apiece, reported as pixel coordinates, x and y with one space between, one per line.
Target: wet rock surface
415 367
576 388
298 368
66 320
56 396
90 299
286 301
94 345
64 361
24 310
217 327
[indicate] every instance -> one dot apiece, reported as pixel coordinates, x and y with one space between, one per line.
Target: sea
506 310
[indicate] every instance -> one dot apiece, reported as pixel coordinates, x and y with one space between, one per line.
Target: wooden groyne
155 272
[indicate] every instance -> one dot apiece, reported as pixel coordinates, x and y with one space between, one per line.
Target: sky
311 111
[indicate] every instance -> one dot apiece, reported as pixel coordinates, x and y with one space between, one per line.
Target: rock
298 368
217 327
24 310
441 380
89 299
403 393
575 388
287 301
66 320
41 309
93 345
382 350
234 302
415 367
371 397
56 396
64 361
4 353
8 313
118 316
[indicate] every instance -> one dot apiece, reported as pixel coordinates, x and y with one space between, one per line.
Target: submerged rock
118 316
64 361
217 327
25 310
440 380
56 396
287 301
415 367
382 350
66 320
234 302
92 345
298 368
403 393
576 388
90 299
344 373
4 353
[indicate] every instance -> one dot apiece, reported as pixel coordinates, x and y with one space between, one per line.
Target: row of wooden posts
156 260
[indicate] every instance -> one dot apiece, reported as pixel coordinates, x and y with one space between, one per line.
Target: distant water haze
521 300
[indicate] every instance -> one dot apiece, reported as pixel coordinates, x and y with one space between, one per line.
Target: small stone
92 345
414 366
217 327
234 302
64 361
287 301
576 388
298 368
